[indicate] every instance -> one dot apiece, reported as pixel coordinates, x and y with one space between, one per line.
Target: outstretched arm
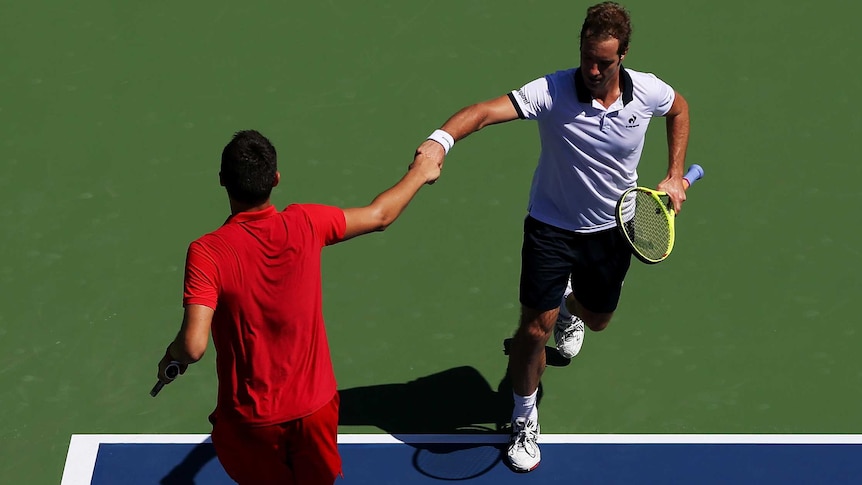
475 117
387 206
677 144
466 122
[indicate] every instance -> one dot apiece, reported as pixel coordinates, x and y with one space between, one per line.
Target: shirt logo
633 122
523 97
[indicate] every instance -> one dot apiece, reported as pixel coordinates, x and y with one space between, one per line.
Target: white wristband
443 138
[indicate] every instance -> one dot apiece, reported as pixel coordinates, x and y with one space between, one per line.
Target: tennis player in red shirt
255 283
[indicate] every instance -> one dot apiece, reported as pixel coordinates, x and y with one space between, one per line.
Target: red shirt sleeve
201 283
327 222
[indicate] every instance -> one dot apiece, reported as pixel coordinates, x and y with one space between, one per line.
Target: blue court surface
477 459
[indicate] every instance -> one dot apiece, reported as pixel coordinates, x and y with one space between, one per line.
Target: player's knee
597 323
534 331
536 326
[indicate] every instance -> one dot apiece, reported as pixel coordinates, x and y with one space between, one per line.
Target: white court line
83 448
790 439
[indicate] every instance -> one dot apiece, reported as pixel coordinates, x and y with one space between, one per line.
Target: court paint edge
90 442
83 448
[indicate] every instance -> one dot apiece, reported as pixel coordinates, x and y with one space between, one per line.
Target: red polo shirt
260 272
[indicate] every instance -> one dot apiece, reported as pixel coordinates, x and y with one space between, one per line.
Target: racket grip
158 387
171 371
695 172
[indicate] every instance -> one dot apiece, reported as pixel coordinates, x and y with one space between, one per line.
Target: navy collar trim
626 86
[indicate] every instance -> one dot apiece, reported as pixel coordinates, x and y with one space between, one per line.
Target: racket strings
648 228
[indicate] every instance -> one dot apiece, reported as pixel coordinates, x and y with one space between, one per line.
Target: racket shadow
458 461
479 418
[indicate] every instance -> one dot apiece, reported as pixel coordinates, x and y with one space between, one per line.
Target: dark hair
248 167
606 20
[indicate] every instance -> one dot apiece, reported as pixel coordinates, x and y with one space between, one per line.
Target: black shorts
598 263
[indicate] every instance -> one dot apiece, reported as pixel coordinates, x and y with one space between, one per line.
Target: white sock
525 407
564 310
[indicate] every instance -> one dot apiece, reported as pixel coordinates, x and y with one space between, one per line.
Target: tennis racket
645 218
172 371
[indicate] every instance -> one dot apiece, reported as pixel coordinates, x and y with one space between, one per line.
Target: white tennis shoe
569 335
523 453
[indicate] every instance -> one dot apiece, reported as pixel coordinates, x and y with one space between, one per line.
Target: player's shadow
443 403
454 401
184 473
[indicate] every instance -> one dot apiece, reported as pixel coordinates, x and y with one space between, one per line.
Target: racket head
646 223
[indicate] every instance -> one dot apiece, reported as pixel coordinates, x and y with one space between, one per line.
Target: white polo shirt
589 153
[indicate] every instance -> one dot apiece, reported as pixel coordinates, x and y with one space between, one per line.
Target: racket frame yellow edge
669 215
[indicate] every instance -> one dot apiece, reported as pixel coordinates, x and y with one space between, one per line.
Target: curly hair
608 20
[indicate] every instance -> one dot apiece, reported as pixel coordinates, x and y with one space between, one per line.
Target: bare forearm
465 122
391 203
677 142
191 341
475 117
181 352
387 206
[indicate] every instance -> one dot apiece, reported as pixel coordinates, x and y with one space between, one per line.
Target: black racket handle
172 371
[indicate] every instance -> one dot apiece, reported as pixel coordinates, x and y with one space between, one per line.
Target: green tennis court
114 115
